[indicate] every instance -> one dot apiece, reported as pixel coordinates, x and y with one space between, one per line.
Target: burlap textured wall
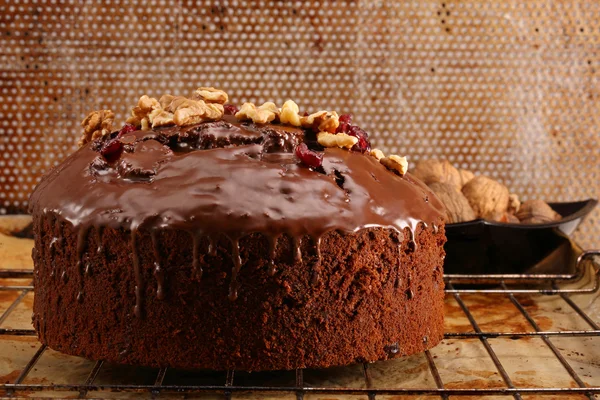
506 88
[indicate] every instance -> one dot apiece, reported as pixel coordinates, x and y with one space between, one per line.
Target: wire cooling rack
561 286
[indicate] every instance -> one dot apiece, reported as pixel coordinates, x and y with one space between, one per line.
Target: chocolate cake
203 236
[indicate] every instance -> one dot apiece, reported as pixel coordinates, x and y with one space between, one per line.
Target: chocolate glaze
227 178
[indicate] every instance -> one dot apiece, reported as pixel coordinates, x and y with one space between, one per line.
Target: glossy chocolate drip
272 252
196 267
56 242
137 271
159 273
297 242
237 265
100 247
231 179
212 247
81 247
53 221
316 274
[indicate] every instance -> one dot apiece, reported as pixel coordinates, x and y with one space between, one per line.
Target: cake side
371 295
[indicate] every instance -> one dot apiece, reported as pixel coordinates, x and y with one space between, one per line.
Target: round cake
202 236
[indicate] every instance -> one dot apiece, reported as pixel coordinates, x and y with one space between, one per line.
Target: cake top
203 165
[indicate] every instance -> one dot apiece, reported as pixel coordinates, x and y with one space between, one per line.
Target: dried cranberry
345 121
308 157
363 144
112 150
127 128
230 109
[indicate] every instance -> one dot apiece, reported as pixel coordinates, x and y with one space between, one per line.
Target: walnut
396 163
183 111
160 117
96 125
199 111
504 217
259 115
166 100
430 171
536 212
309 120
321 121
513 203
147 104
486 196
145 124
211 95
378 154
140 112
174 103
341 140
290 113
458 208
465 176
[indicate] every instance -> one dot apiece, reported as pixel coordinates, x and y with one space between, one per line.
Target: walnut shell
505 217
430 171
457 206
486 196
513 203
465 176
536 212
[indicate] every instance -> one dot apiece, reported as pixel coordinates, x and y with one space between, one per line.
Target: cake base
371 295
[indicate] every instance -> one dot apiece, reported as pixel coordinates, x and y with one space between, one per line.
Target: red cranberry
363 144
112 150
345 121
230 109
127 128
308 157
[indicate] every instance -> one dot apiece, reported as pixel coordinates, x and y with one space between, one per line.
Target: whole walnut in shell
465 176
457 206
430 171
504 217
536 212
513 203
486 196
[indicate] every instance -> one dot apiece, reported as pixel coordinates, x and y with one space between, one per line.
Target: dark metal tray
489 247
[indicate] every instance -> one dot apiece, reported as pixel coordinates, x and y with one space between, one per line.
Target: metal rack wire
456 285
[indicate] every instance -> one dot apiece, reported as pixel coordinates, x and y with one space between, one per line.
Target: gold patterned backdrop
506 88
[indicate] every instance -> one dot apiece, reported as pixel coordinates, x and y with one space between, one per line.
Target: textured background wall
507 88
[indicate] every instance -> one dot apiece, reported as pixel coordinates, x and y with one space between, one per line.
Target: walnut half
341 140
211 95
139 114
395 163
259 115
96 125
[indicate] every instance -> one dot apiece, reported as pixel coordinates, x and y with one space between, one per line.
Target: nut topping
396 163
290 114
259 115
341 140
211 95
139 113
322 121
96 125
198 112
160 117
378 154
173 110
